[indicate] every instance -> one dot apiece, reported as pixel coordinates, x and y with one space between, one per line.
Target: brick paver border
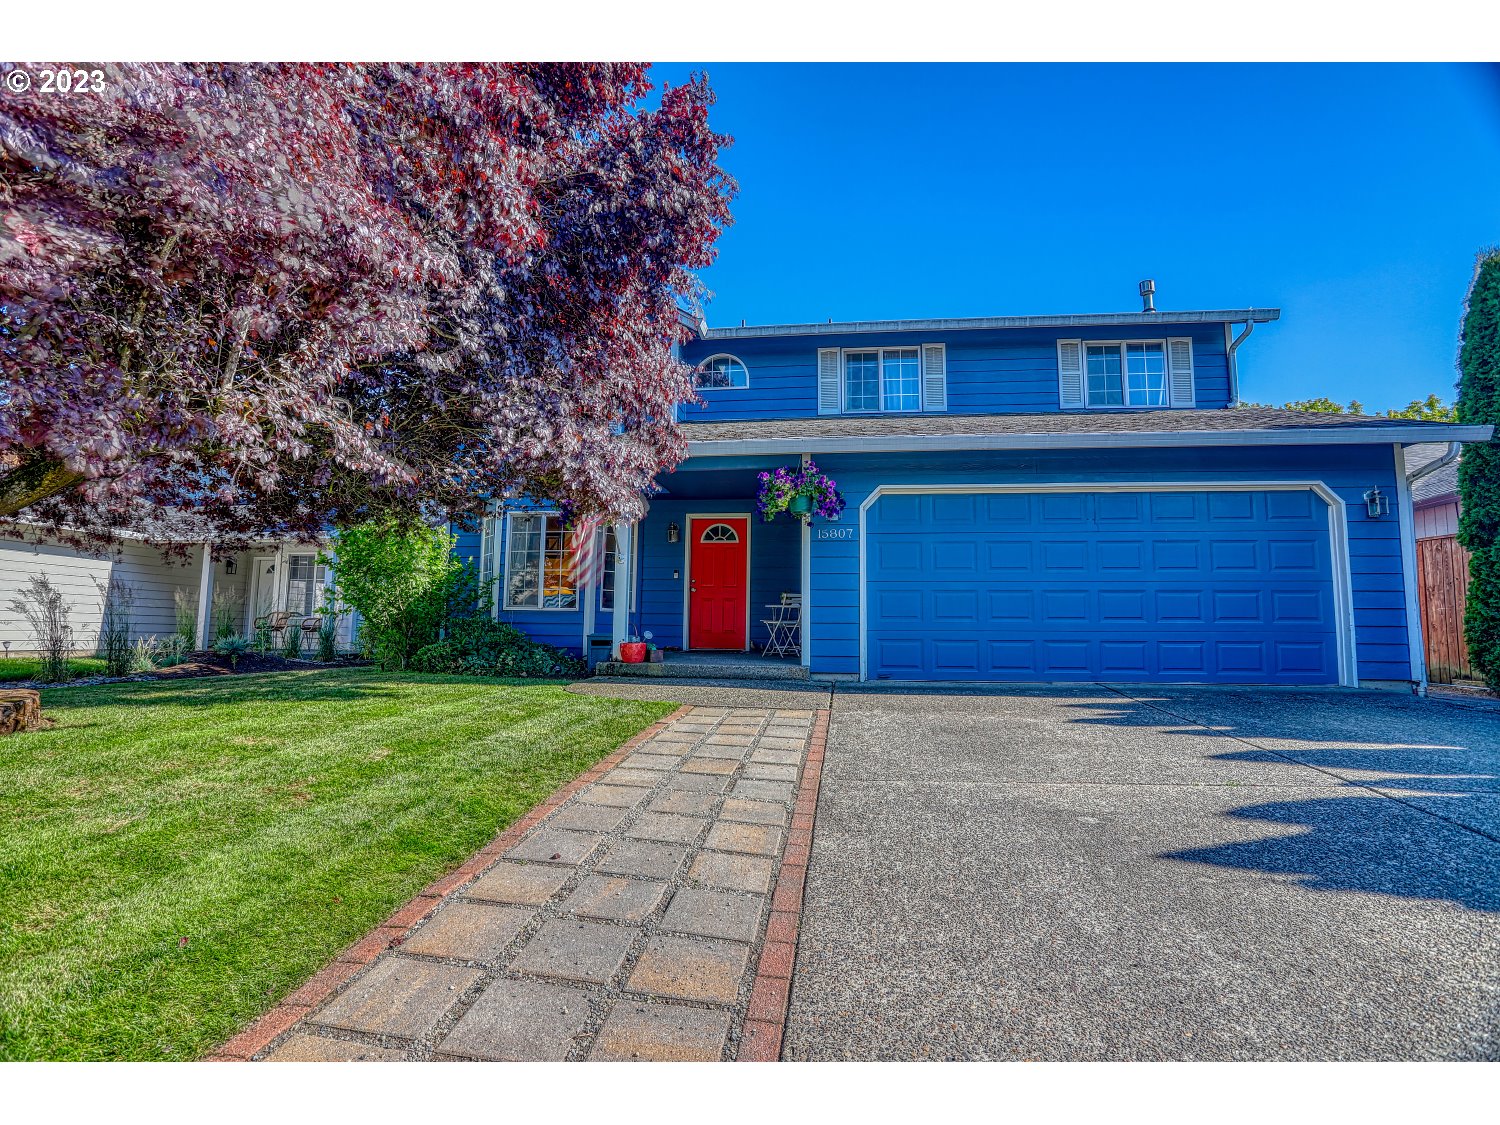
392 932
765 1021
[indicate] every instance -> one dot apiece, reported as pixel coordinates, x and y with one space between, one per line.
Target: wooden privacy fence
1442 584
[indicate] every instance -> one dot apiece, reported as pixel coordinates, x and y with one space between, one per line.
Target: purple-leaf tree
288 295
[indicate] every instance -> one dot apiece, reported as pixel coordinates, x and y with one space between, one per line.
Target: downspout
1454 449
1234 368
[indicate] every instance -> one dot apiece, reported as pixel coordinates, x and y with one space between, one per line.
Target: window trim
880 351
721 355
316 580
1166 374
505 602
605 533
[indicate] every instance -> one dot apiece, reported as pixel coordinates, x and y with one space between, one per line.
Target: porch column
206 596
624 583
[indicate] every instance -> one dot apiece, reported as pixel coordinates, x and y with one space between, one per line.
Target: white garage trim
1415 644
1338 541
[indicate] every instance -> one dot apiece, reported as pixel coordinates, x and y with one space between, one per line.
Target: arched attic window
721 373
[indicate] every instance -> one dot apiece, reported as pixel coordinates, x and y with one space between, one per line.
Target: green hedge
1479 470
478 647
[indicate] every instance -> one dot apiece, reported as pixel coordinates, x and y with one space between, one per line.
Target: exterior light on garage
1376 503
228 566
674 533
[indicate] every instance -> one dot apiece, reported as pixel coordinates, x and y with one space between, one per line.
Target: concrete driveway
1091 873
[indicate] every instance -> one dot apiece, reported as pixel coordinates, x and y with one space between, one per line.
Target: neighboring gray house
267 577
1442 564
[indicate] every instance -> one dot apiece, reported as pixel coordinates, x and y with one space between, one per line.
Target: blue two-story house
1029 498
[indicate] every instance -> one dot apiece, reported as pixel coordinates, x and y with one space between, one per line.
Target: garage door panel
1216 586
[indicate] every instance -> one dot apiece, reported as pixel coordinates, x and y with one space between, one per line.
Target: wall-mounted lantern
1377 503
229 566
674 533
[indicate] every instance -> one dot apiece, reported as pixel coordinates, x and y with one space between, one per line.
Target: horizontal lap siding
775 564
1009 371
152 581
1375 547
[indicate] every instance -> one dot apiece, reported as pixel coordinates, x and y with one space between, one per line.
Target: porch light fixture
229 566
1377 503
674 533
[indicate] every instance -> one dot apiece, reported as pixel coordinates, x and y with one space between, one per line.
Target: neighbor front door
262 587
718 587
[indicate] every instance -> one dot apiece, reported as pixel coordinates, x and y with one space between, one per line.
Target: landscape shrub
185 611
328 639
44 608
231 648
291 641
481 647
226 614
115 600
405 582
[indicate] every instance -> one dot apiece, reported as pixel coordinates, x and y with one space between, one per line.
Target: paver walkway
629 922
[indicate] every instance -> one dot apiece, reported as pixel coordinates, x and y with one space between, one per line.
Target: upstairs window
721 373
1126 374
888 379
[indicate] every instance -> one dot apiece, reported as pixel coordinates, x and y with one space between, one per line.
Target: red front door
719 570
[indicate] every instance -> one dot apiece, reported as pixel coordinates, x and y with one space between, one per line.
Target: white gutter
936 443
1454 449
1234 367
965 323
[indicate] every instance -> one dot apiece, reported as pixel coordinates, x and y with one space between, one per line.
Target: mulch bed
199 664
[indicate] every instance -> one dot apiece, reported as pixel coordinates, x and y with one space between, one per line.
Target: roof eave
928 443
968 323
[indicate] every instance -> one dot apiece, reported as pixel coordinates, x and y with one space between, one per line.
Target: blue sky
1352 197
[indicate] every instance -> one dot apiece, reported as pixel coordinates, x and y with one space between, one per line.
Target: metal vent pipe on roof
1148 295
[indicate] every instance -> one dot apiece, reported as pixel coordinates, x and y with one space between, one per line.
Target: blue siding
560 627
1000 371
775 564
1375 548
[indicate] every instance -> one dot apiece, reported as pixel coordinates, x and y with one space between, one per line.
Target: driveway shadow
1441 763
1369 844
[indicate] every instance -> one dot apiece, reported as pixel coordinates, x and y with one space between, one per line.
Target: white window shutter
934 377
1070 374
828 381
1180 370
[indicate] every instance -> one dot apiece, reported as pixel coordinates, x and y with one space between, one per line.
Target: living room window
538 563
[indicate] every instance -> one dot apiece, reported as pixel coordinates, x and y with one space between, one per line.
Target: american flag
586 552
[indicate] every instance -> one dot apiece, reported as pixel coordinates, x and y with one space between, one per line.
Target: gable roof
878 433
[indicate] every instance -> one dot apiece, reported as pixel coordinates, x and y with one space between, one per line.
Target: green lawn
175 857
14 668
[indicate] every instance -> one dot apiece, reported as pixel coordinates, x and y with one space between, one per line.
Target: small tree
404 581
1479 471
46 611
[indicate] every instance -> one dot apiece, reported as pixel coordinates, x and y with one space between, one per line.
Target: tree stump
20 710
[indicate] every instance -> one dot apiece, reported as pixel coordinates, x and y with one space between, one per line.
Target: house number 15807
835 533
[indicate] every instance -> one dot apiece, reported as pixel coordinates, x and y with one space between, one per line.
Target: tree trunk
33 478
20 710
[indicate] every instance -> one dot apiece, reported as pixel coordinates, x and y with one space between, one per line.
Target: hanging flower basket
804 492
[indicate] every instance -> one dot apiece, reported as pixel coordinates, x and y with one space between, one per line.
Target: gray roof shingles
1070 422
